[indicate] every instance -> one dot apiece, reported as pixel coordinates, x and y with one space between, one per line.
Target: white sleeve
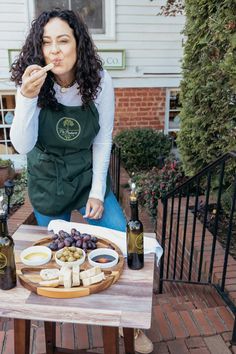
103 141
24 128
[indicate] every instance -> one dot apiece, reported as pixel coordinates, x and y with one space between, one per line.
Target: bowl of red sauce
103 257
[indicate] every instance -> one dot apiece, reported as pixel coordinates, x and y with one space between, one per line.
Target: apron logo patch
68 128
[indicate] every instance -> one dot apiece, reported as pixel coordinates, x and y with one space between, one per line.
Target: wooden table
127 304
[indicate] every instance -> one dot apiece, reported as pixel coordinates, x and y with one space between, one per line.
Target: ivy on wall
208 88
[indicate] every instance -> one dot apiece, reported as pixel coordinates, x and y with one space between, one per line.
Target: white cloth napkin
119 238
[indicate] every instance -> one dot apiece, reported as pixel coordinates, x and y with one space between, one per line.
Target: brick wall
139 107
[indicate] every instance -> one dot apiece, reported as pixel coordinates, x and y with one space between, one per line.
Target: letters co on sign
112 59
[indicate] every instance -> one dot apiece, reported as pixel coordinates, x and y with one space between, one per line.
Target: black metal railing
194 216
114 170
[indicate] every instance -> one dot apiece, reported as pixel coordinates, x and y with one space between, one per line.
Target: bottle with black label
7 259
134 234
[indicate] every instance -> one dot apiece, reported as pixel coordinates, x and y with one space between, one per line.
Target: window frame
109 20
5 126
167 128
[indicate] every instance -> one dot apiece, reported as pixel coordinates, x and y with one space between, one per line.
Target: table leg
21 336
129 340
110 340
50 337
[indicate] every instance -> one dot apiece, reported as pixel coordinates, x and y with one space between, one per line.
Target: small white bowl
70 264
101 252
36 255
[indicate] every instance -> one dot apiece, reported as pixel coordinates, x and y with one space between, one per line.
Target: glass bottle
134 234
7 259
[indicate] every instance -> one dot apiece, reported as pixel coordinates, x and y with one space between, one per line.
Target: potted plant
7 170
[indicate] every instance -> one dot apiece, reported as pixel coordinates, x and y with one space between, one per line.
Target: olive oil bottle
7 259
134 234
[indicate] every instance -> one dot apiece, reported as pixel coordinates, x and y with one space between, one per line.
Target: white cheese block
61 275
67 278
90 273
49 283
49 274
76 275
93 280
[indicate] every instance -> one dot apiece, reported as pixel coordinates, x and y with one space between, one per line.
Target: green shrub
208 116
154 184
142 148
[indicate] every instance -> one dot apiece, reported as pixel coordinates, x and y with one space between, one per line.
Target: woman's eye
46 43
64 41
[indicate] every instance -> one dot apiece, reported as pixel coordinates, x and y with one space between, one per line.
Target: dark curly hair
88 66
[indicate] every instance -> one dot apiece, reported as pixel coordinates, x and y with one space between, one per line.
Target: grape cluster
75 238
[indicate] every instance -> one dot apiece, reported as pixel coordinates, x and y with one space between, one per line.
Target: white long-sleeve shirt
24 129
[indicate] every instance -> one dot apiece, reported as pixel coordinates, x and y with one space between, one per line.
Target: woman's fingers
94 209
32 80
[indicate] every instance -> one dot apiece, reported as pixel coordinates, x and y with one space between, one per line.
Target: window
172 119
7 106
98 14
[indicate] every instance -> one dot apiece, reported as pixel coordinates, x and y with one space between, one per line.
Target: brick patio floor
186 319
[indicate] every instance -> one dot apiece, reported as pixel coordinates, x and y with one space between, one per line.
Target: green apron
60 164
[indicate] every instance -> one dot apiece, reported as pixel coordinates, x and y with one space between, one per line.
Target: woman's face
59 48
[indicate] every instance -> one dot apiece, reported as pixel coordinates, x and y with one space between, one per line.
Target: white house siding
13 21
152 43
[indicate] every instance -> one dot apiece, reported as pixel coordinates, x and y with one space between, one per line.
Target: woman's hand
94 209
32 81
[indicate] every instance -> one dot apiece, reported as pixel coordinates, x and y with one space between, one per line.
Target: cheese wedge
49 283
90 273
75 275
93 280
49 274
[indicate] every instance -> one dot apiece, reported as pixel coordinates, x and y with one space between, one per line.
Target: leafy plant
154 184
6 163
208 116
142 148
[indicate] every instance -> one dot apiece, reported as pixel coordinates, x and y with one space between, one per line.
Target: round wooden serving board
29 276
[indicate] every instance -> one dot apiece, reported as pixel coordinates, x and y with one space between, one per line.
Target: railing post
233 340
163 238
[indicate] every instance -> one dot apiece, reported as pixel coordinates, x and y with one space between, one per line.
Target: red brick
163 326
215 320
199 351
81 335
226 316
202 323
189 323
97 336
176 325
196 342
68 339
177 346
9 344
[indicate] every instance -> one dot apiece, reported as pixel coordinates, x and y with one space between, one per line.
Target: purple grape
67 241
77 233
94 239
53 246
87 238
61 245
73 232
78 243
55 237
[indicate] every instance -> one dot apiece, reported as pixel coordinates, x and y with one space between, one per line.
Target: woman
64 121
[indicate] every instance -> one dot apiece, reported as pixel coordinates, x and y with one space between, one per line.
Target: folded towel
119 238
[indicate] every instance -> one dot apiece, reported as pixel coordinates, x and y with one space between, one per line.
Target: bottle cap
133 195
